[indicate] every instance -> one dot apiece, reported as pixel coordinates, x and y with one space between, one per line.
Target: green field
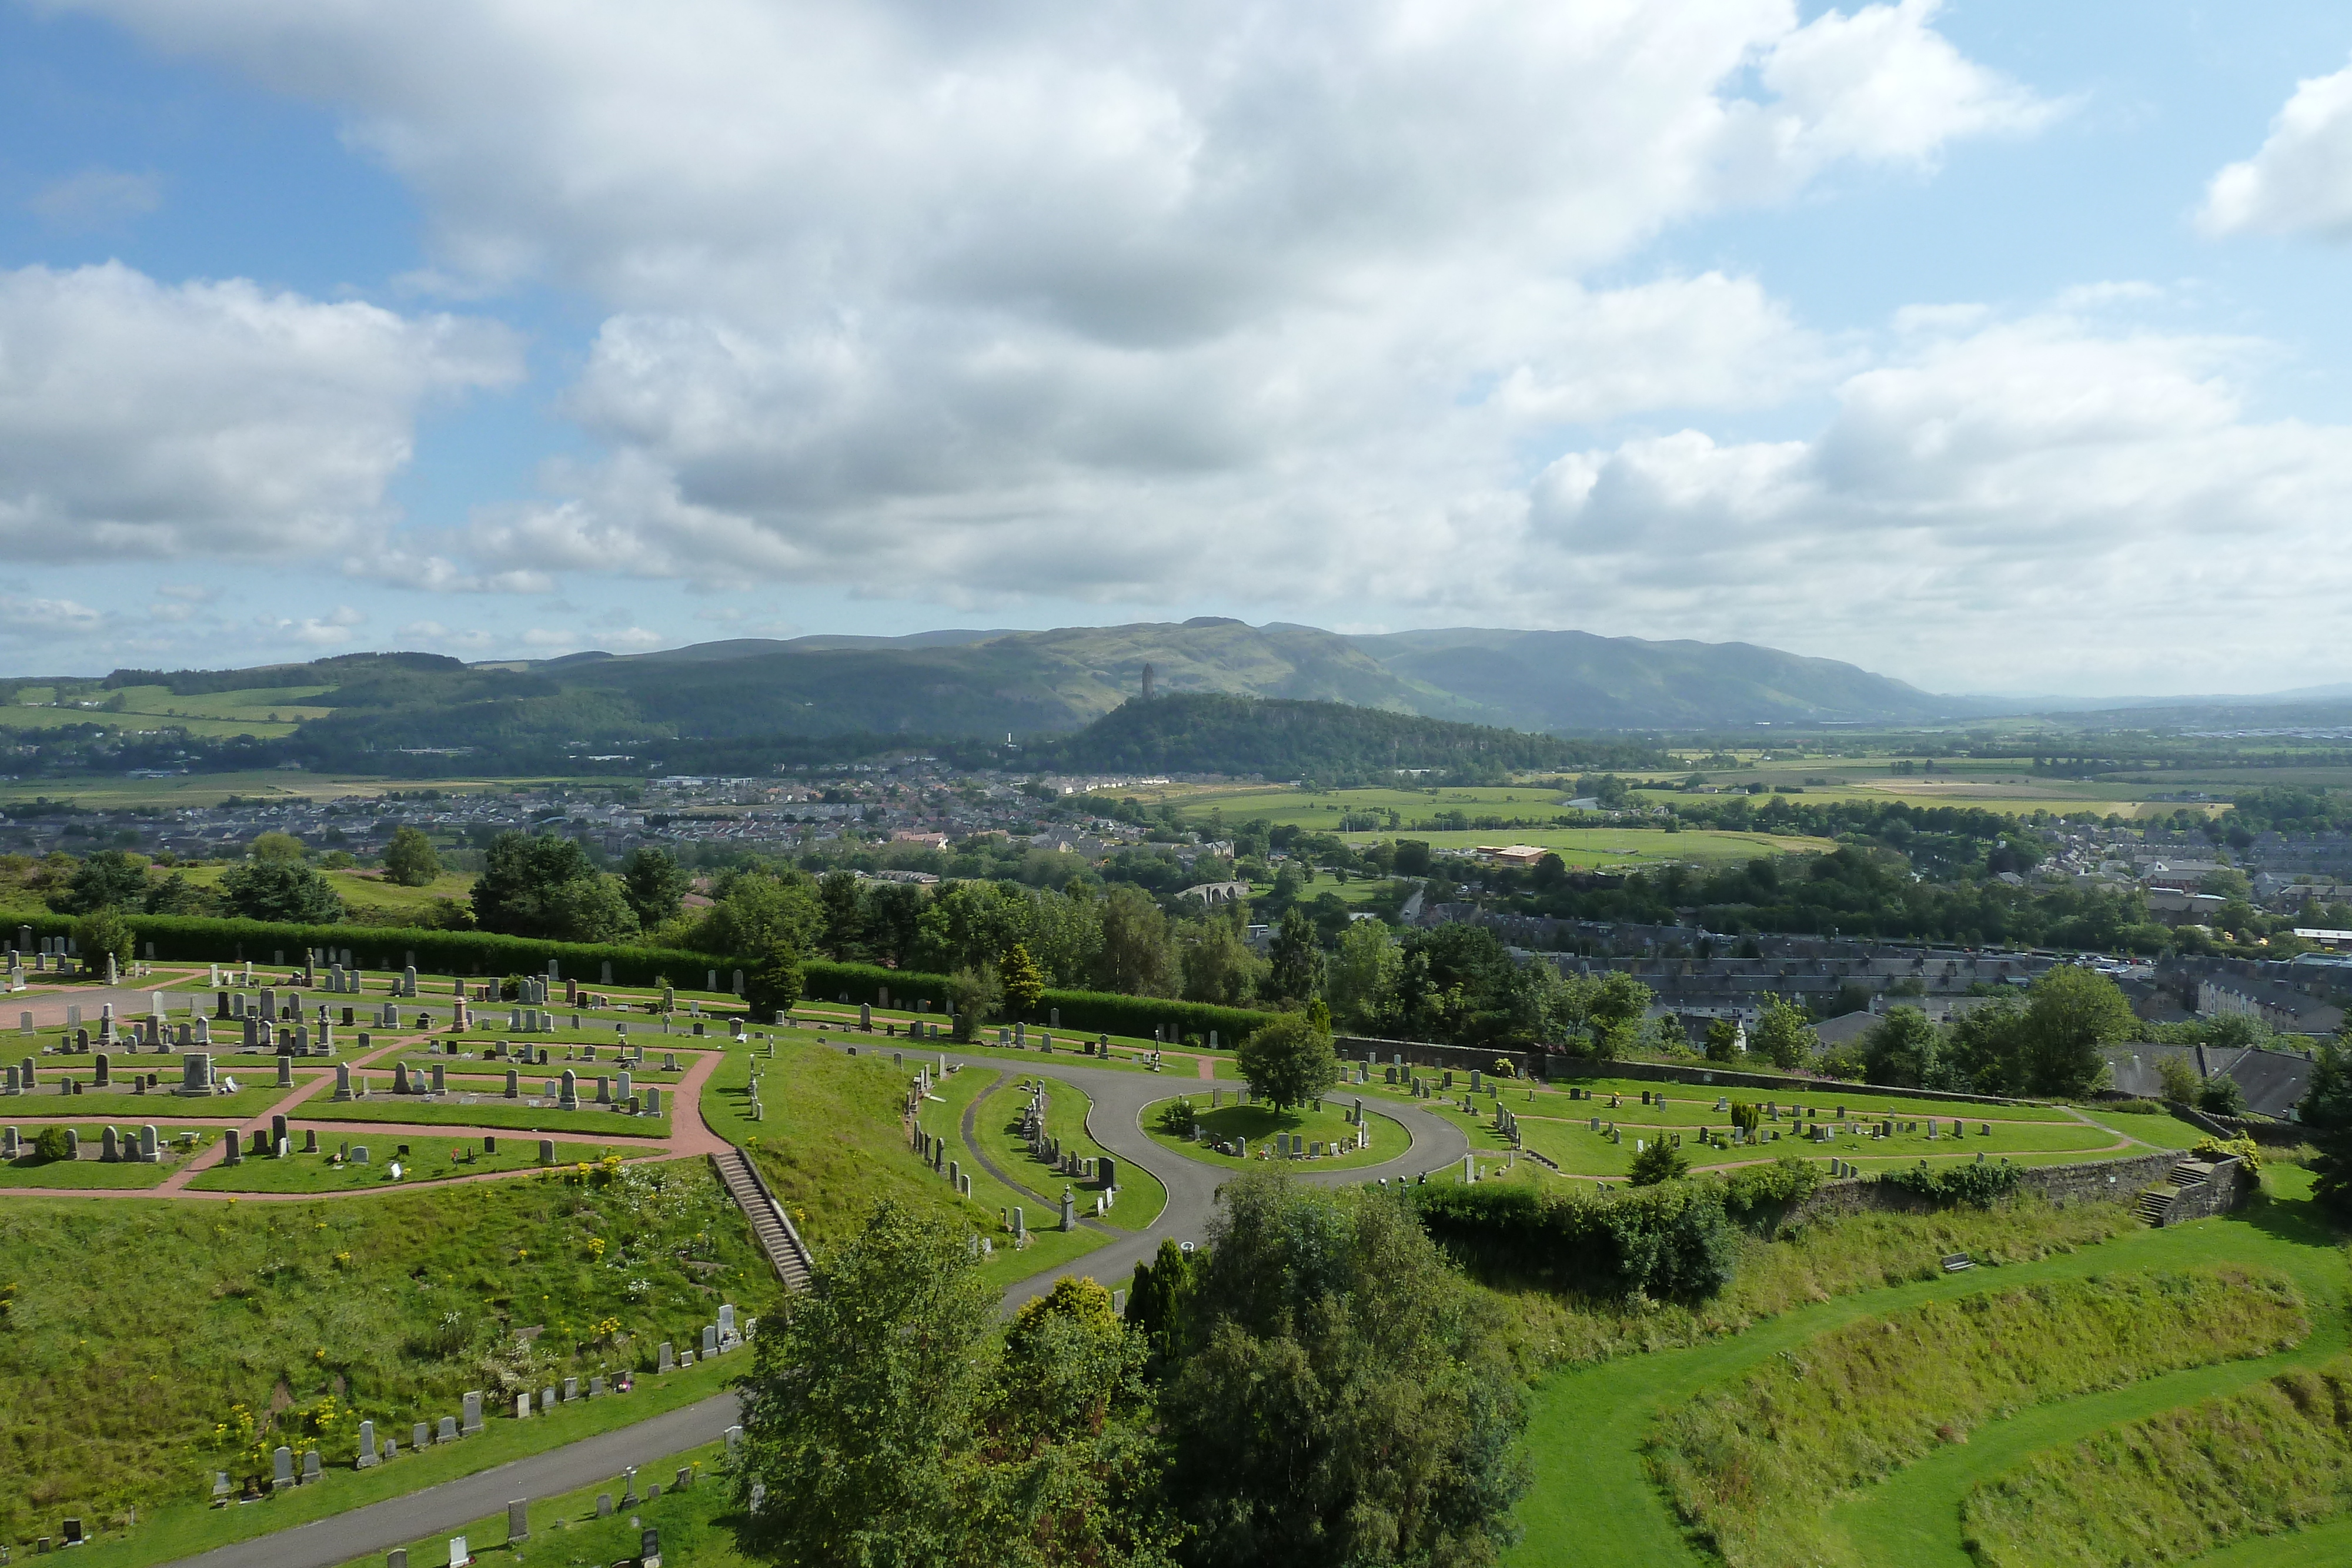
491 1112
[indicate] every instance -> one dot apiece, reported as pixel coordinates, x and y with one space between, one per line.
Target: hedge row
190 940
185 938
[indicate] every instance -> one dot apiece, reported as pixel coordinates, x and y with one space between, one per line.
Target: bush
1759 1195
2216 1150
1978 1187
1659 1161
1670 1242
52 1143
2134 1107
2221 1097
2177 1078
1178 1118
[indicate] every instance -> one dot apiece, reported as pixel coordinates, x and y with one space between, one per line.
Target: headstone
419 1434
459 1554
569 1099
281 1469
310 1467
368 1457
449 1432
571 1384
473 1405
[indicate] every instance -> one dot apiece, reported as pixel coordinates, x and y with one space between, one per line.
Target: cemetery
1229 1128
1033 1129
352 1163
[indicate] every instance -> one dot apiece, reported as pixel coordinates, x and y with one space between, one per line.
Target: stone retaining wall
2111 1181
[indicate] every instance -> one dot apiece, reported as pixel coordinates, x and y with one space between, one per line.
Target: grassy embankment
1750 1464
1594 1503
136 1329
996 1129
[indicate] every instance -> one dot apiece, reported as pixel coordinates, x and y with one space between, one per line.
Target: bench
1958 1261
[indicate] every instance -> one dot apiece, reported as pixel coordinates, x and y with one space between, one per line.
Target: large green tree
2071 1013
1902 1049
108 879
2325 1109
1297 972
1783 1036
547 888
1289 1062
409 860
281 890
1345 1398
655 885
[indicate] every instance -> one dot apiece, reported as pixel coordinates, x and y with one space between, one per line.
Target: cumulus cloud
2300 181
20 613
2000 494
917 299
210 418
471 639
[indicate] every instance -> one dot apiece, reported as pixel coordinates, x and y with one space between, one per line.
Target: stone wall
2231 1184
2113 1181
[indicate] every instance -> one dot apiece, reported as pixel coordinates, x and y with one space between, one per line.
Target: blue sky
1996 347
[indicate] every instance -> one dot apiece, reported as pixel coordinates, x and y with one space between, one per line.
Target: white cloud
210 418
2016 500
917 299
472 640
2300 181
97 198
58 615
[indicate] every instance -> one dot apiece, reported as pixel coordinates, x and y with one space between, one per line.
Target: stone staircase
2155 1205
769 1225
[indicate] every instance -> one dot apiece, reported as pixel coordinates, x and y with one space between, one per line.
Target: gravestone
668 1360
473 1405
449 1432
419 1435
368 1459
519 1520
310 1467
569 1098
281 1469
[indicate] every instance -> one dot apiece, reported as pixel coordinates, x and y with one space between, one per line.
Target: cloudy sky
1997 345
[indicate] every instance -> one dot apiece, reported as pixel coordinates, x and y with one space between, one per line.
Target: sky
1998 347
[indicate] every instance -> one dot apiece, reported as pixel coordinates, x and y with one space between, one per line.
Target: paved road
445 1509
1114 1122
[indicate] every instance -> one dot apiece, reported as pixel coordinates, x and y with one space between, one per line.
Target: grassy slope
1749 1463
136 1325
1593 1503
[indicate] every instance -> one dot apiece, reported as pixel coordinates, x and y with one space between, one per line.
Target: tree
103 931
1984 1047
108 879
1219 968
1024 988
655 885
756 911
546 887
2220 1096
2325 1109
409 860
1363 974
176 894
2071 1013
274 845
774 983
1604 1014
1658 1161
1136 959
1784 1036
977 996
1900 1049
862 1392
843 911
1346 1397
1289 1062
1156 1299
2178 1080
281 890
1297 962
1723 1040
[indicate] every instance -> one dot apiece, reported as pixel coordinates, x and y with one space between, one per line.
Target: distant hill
1333 743
740 704
1576 681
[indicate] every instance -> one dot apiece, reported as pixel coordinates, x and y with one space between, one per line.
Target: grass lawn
136 1327
1592 1502
89 1171
696 1524
321 1173
120 1105
494 1112
2163 1130
1140 1195
1694 1103
1326 1122
1128 1052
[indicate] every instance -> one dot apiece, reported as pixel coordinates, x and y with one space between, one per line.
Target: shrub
2218 1149
1659 1161
1670 1242
2135 1107
1761 1194
52 1143
2177 1078
2221 1097
1980 1187
1178 1118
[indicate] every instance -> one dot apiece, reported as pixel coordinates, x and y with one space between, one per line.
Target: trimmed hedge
1670 1242
190 940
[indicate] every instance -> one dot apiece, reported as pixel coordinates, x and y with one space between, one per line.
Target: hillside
1332 743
